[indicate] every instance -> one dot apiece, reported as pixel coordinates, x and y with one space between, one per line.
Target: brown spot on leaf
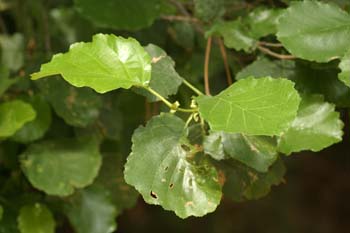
189 203
154 195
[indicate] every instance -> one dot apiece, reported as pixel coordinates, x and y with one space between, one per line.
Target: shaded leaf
208 10
12 50
120 14
5 81
316 127
57 167
91 211
257 152
315 31
344 65
36 218
164 79
77 106
107 63
164 169
35 129
13 115
251 106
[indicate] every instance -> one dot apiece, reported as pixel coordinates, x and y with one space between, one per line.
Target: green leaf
13 115
77 106
36 218
344 65
57 167
120 14
165 80
243 183
315 31
12 50
235 34
263 67
209 10
164 168
257 152
5 81
91 211
35 129
316 127
111 177
264 106
107 63
263 21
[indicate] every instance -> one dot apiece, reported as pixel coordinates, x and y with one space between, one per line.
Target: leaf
264 106
107 63
315 31
263 21
165 80
257 152
77 106
263 67
344 65
163 168
119 14
316 127
209 10
243 183
12 50
36 218
5 81
111 177
58 166
91 211
13 115
235 35
35 129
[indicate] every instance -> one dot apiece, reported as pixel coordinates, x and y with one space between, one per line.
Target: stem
276 55
206 66
268 44
180 18
189 85
188 120
224 58
165 101
172 106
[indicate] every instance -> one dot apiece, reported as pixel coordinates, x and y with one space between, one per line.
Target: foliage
68 131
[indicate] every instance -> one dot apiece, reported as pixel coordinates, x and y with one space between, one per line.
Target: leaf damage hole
153 195
171 185
185 147
166 168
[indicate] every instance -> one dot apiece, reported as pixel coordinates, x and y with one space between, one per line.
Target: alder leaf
316 127
78 107
235 34
36 218
164 78
12 51
243 183
167 170
258 152
315 31
92 211
120 14
107 63
35 129
13 115
5 81
344 65
263 106
58 166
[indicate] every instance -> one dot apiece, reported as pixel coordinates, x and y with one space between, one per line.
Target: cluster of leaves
65 140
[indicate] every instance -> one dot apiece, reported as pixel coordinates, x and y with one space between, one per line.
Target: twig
268 44
180 18
206 66
224 58
276 55
194 89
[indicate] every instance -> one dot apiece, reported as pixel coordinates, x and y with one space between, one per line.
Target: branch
276 55
206 66
224 58
180 18
268 44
